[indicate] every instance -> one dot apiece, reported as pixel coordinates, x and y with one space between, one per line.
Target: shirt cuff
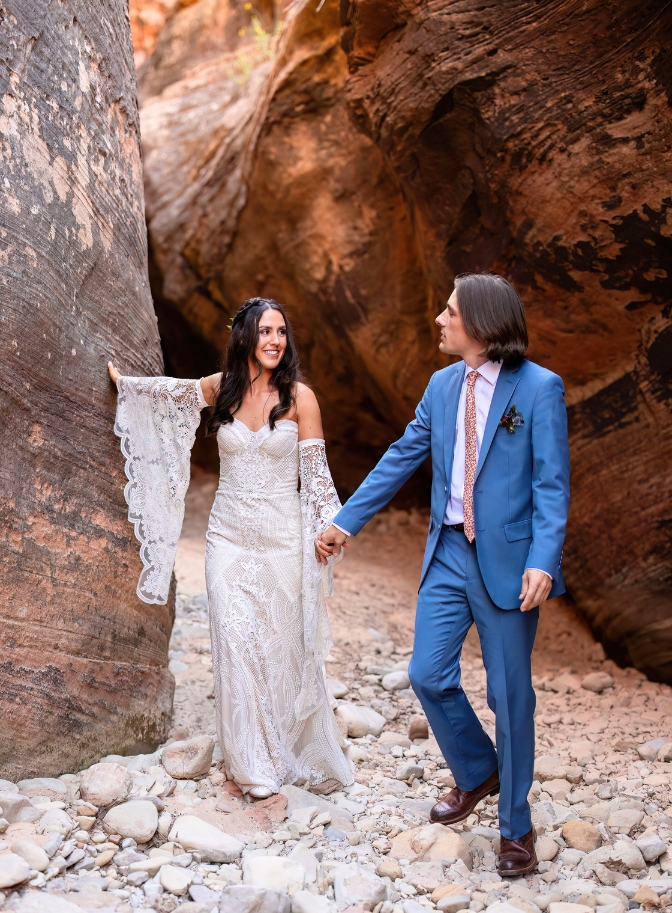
344 531
539 569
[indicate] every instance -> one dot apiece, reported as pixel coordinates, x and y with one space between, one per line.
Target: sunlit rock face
377 151
83 663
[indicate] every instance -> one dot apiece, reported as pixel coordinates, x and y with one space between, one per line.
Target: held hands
330 542
535 589
114 374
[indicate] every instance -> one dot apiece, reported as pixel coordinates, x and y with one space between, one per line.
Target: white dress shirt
484 389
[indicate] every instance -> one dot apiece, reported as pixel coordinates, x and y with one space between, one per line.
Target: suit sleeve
396 466
550 477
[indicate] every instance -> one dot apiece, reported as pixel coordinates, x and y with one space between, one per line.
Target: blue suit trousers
452 597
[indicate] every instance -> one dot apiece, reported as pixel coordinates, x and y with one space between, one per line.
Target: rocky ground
167 831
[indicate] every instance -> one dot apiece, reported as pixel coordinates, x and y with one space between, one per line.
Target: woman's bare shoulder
210 387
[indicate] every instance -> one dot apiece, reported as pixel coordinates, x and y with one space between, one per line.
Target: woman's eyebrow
267 326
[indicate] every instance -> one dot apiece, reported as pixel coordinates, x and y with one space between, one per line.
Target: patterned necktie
470 456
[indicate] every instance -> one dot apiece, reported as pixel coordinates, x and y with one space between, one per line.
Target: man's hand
330 542
535 589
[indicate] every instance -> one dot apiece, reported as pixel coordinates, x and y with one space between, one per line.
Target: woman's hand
114 374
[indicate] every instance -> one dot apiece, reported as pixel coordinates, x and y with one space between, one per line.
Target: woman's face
272 340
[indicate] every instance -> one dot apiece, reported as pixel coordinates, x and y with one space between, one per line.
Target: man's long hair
239 351
493 313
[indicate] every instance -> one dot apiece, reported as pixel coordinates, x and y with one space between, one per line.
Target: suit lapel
450 417
504 390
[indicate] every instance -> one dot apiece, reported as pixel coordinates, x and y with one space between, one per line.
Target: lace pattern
319 505
156 419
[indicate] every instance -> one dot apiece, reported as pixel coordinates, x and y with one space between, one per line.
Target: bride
268 621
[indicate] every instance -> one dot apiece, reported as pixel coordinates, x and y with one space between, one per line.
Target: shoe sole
514 873
447 823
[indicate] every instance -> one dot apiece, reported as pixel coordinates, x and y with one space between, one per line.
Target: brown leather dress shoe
517 857
458 805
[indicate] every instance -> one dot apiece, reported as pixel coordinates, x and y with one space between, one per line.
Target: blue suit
521 499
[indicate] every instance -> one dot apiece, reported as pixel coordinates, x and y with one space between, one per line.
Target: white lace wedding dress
268 620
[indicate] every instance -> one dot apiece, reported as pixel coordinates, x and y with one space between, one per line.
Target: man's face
454 339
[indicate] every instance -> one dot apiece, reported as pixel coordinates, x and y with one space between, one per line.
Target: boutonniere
512 418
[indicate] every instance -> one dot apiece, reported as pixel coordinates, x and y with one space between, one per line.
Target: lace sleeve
319 504
157 418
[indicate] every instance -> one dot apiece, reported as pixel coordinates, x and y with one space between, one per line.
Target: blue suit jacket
521 489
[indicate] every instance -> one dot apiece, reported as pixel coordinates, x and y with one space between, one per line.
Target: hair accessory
242 310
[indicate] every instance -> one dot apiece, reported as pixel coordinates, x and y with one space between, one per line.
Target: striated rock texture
388 145
83 663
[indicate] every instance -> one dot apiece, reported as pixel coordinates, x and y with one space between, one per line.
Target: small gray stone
200 894
396 681
651 847
353 886
409 769
648 751
305 902
248 899
135 879
175 666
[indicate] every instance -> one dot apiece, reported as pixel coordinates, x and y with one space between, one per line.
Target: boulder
34 855
190 758
451 903
105 783
14 870
395 119
250 899
354 885
274 873
138 819
548 767
359 721
213 844
337 689
84 666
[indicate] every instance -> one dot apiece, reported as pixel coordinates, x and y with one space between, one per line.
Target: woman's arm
308 414
210 387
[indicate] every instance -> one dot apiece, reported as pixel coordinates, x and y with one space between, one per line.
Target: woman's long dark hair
239 351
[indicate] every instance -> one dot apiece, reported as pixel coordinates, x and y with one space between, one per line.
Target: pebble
33 854
175 880
359 721
602 769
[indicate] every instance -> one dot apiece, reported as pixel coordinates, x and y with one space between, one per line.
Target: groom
496 427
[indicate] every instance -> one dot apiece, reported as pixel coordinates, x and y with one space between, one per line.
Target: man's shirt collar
488 371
